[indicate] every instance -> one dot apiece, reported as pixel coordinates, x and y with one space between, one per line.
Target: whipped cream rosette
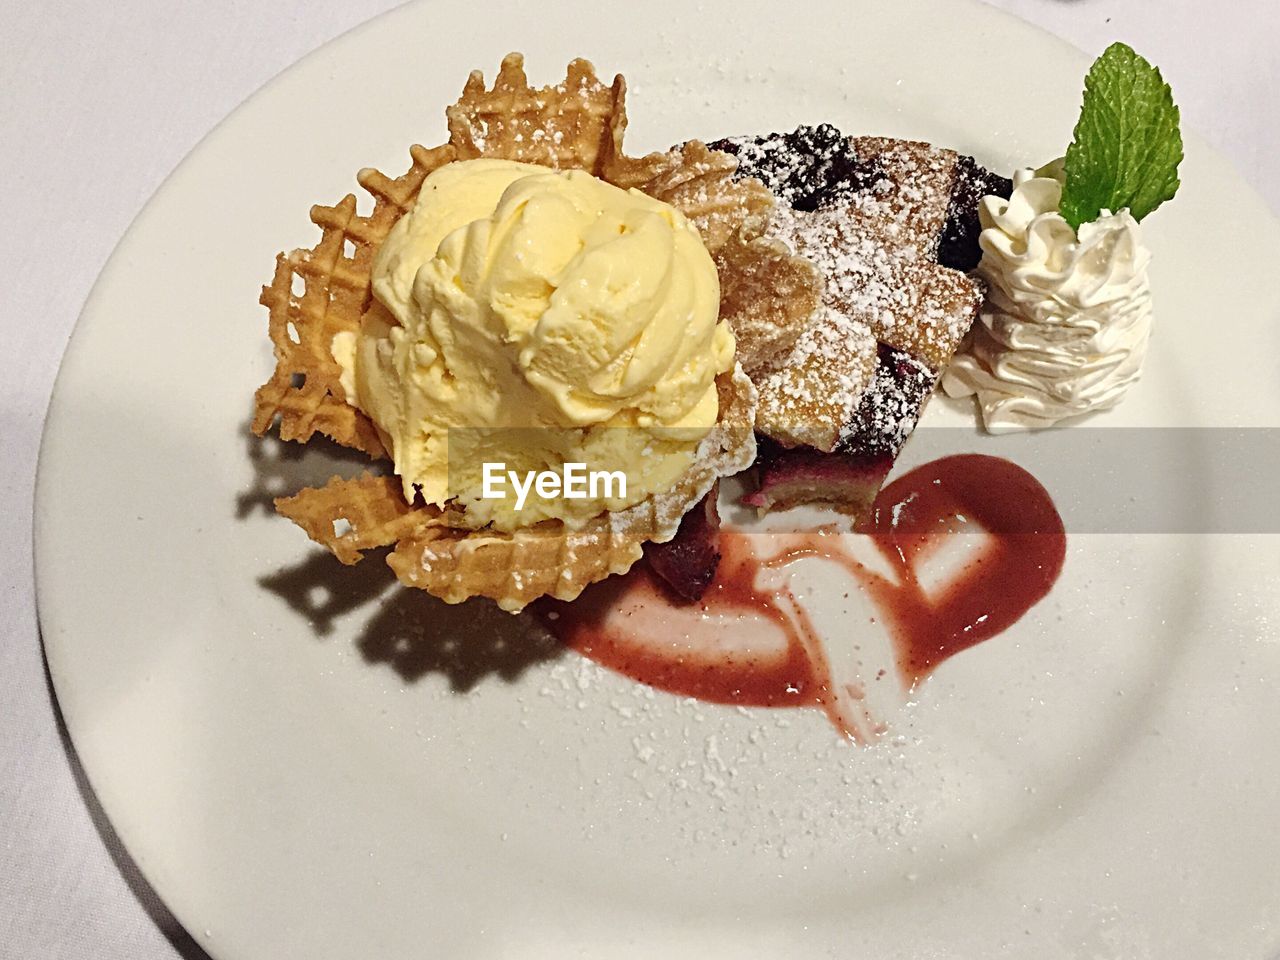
1068 315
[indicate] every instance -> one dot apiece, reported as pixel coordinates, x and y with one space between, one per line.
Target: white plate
1100 781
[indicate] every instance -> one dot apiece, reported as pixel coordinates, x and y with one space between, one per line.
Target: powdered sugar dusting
891 404
807 400
869 213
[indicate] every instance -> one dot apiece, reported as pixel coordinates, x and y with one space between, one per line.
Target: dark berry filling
890 406
688 561
808 169
958 247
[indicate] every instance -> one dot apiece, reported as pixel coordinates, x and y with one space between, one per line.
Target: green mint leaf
1127 145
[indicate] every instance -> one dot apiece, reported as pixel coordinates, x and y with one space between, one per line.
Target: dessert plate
307 762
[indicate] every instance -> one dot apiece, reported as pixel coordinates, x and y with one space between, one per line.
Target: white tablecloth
98 102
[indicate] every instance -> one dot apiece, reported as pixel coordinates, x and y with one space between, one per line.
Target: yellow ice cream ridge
542 317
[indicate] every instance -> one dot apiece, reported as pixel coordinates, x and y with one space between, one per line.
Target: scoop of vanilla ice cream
1065 327
538 317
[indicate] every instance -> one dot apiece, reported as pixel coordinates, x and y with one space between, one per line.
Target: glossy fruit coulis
751 641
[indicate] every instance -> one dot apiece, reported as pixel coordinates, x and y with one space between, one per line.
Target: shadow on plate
408 630
281 469
413 633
